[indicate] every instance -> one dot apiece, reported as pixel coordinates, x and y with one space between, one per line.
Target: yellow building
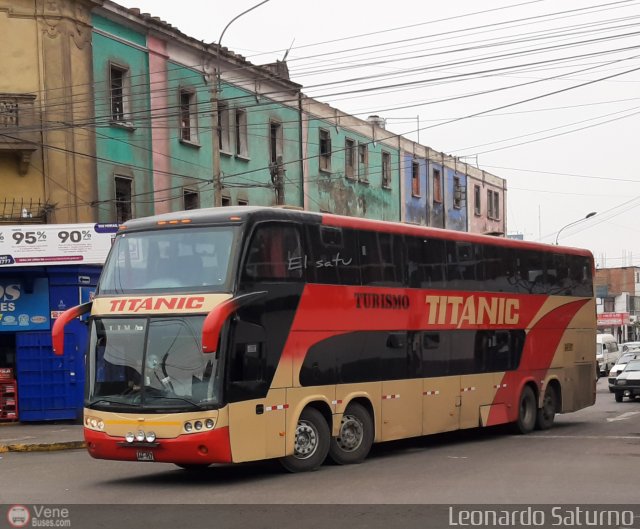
47 144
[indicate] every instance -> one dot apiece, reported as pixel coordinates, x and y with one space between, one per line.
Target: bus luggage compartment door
441 404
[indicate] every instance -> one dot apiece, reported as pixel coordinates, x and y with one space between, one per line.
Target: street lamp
217 181
589 215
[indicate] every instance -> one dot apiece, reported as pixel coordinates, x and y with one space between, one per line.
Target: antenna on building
288 50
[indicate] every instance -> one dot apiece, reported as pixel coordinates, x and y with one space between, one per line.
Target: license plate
144 455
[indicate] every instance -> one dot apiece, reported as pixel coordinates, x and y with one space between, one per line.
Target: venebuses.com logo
38 516
18 516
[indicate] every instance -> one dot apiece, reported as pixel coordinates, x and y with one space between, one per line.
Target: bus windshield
184 259
153 363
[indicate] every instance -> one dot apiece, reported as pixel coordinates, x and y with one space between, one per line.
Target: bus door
401 401
440 386
258 333
254 419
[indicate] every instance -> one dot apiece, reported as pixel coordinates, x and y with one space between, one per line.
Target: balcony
18 128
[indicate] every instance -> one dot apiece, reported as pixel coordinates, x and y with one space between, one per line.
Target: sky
542 93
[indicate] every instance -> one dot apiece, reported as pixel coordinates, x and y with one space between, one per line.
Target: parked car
627 347
628 382
607 352
619 367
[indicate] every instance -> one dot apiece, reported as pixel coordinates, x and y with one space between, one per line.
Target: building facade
618 302
47 143
109 114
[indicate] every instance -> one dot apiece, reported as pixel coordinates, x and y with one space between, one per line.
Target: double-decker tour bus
239 334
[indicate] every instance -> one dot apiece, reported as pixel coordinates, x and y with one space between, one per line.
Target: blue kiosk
44 270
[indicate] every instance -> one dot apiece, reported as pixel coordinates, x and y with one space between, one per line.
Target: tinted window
464 265
380 259
435 354
499 273
275 254
334 256
425 262
580 275
530 273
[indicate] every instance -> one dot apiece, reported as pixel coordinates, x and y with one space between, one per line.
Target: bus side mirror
57 333
213 323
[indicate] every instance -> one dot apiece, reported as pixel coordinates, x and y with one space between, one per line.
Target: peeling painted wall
361 195
416 206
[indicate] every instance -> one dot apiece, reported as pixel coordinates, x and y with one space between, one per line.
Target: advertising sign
613 318
22 308
55 244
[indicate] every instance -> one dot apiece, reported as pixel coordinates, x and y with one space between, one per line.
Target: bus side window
425 259
558 274
435 354
334 257
464 265
499 269
275 254
580 273
381 259
248 370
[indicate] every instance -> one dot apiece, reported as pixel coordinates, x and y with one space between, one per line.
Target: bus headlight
198 425
151 437
140 436
209 423
129 438
188 426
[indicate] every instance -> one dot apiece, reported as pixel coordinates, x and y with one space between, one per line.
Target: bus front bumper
190 449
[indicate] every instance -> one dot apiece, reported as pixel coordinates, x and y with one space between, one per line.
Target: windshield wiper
109 402
148 397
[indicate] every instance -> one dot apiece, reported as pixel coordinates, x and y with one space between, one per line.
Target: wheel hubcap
306 442
351 433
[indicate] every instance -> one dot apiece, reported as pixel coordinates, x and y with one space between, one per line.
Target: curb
42 447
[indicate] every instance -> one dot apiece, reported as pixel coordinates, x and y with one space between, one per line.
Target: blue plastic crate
50 387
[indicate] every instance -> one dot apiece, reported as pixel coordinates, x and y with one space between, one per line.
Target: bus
239 334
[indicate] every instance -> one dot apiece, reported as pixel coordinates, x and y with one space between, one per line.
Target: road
589 457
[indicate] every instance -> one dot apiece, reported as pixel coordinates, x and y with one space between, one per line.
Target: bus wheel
355 437
547 412
527 409
311 443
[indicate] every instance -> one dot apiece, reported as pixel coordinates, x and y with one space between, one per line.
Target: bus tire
527 412
546 414
311 443
353 442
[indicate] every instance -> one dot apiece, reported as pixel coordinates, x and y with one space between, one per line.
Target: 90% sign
74 236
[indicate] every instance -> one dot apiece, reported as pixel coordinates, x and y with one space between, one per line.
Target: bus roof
242 214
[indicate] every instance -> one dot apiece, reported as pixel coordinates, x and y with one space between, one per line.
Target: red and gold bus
240 334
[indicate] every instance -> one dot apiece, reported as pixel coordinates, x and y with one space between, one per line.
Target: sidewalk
40 437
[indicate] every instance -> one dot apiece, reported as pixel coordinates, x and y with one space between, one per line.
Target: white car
619 367
628 382
627 347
